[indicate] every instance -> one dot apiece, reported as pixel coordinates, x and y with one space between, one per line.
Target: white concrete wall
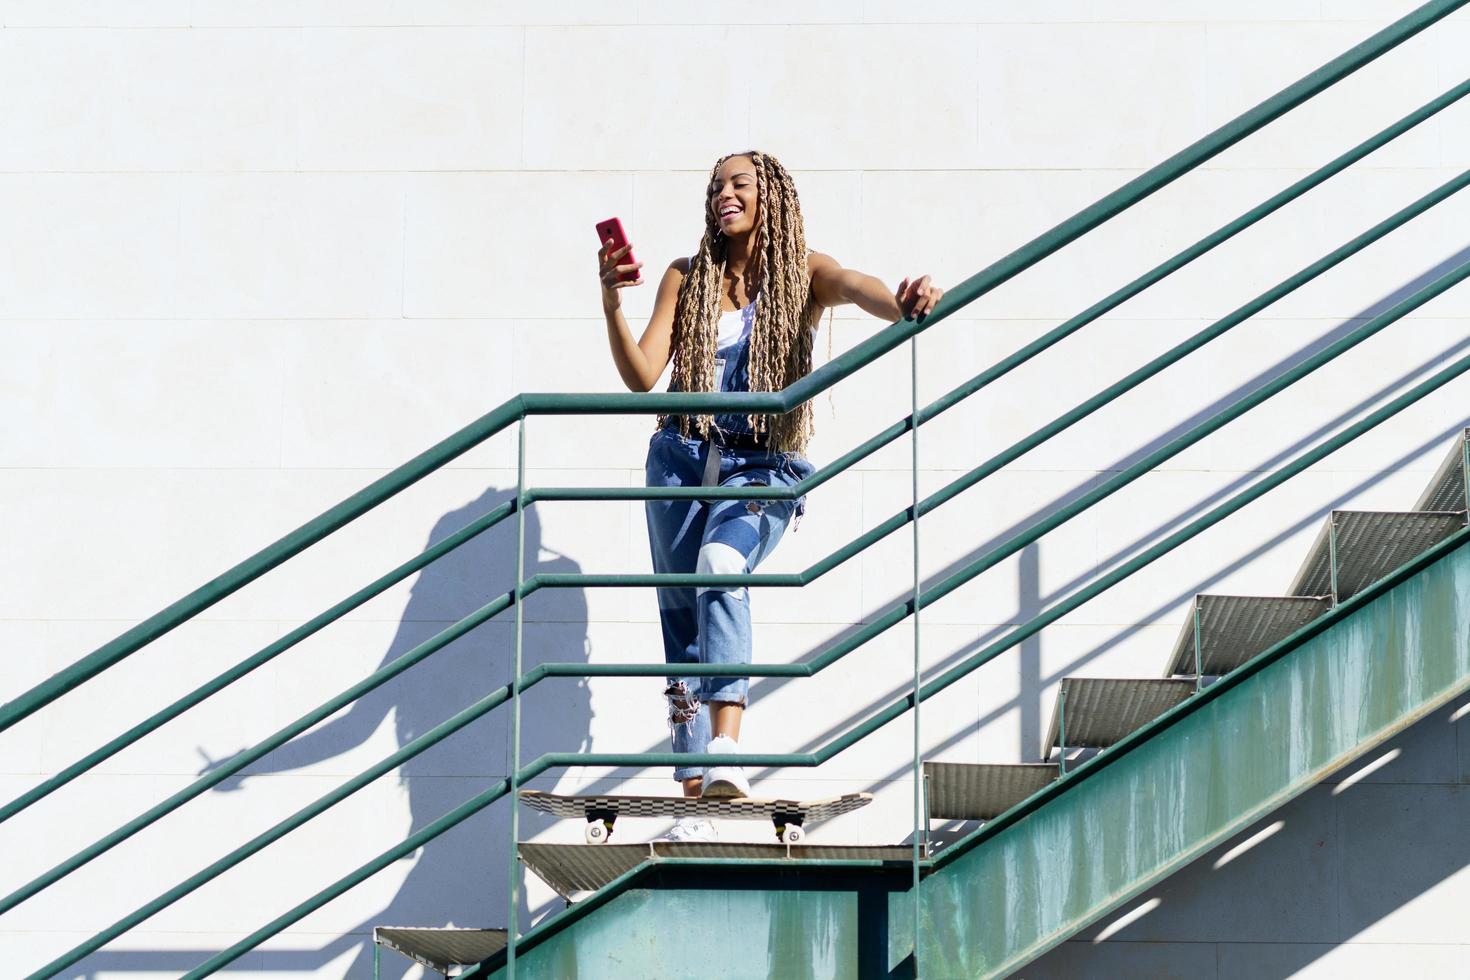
252 256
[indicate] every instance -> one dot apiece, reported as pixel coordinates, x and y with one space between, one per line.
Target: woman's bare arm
641 363
833 286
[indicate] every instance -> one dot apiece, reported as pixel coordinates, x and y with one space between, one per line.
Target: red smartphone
613 228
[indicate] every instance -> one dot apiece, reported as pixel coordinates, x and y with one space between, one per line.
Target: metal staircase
1298 687
1259 698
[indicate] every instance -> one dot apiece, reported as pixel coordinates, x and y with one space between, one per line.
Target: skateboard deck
602 812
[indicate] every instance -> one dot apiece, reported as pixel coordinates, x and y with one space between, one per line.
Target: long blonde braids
786 314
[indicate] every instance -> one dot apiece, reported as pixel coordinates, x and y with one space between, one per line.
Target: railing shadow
446 884
1029 698
458 878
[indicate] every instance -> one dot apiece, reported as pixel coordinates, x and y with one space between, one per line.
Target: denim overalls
719 537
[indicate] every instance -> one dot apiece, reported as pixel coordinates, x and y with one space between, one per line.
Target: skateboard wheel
596 832
792 834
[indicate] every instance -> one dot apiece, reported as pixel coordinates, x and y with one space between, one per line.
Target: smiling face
733 196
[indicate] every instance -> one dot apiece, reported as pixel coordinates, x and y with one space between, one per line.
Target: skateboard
602 812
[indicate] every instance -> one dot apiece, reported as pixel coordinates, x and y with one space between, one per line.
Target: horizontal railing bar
875 721
661 670
840 649
813 384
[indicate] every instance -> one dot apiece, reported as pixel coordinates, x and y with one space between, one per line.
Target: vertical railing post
512 922
1199 670
1332 556
1061 730
920 836
1465 462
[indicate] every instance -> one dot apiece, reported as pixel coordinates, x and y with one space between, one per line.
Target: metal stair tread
443 947
1446 492
573 868
1102 710
1370 544
1234 628
981 791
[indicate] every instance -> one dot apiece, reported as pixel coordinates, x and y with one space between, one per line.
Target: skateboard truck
599 827
788 817
788 827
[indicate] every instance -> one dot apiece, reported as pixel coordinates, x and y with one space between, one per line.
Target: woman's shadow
458 878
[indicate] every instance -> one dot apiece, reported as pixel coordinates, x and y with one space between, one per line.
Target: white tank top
735 325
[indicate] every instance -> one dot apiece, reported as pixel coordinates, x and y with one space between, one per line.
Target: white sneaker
688 829
725 781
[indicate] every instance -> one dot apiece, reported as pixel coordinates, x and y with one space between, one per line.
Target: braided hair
786 313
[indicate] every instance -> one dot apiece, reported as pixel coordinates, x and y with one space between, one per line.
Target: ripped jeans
719 537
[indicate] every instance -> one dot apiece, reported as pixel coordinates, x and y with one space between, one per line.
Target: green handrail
839 465
833 747
796 579
862 730
992 827
813 384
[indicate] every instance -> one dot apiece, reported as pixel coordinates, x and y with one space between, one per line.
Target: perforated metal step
1098 711
442 949
964 791
1367 545
1234 628
1446 492
573 868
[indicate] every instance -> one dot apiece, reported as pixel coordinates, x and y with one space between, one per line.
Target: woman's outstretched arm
639 363
833 286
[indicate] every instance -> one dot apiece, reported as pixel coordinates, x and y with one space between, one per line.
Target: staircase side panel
1174 796
739 932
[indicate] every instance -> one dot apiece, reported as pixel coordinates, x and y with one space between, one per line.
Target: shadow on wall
1345 859
460 877
1032 713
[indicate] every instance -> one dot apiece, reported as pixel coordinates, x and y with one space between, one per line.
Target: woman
739 315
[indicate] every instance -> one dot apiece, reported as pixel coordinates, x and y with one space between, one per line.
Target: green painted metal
513 884
496 791
1389 656
818 381
841 742
1347 686
920 835
846 921
1062 723
851 642
841 464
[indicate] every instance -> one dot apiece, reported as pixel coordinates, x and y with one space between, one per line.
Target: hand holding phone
617 266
